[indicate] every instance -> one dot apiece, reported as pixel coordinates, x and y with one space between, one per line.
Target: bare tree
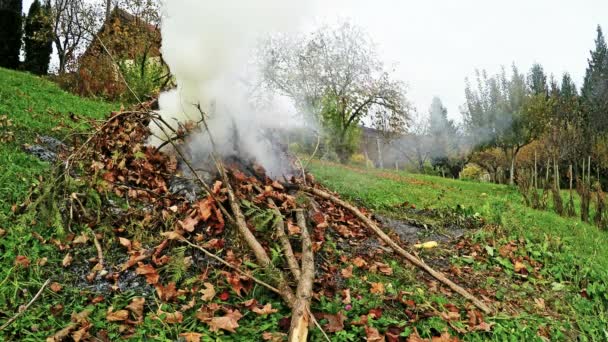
335 78
74 24
416 145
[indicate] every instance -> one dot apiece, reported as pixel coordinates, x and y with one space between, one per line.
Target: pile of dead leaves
118 161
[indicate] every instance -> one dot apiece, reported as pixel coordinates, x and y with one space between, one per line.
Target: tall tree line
508 111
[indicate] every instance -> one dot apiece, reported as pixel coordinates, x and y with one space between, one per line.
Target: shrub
145 76
472 172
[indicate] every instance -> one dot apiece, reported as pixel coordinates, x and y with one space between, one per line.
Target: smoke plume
207 45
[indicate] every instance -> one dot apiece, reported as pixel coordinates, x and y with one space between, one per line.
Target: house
123 38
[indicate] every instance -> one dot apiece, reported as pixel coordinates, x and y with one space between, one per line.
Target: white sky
437 43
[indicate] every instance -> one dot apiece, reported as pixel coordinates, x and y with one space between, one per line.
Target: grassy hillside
32 106
562 298
575 253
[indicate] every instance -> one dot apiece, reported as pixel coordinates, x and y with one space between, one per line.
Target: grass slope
579 259
34 106
572 253
31 106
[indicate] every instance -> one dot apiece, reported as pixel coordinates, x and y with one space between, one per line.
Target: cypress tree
595 87
10 32
38 42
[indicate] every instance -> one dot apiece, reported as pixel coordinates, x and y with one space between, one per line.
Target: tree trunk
108 9
380 159
512 171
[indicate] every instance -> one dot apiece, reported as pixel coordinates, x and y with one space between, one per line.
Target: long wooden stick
300 318
253 243
292 262
12 319
409 257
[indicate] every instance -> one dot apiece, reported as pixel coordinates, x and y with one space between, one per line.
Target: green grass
572 253
35 107
578 258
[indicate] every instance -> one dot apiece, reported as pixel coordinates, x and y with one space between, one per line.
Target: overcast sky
435 44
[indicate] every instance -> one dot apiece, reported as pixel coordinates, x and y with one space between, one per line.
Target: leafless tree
74 24
335 77
416 145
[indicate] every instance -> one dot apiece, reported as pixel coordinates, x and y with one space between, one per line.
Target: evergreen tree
38 38
10 32
444 136
595 87
537 80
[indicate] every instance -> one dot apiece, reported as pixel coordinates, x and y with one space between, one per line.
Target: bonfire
229 216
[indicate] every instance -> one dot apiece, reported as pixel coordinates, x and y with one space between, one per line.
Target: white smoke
207 45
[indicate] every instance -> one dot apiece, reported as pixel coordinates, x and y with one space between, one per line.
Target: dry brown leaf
189 224
229 322
189 305
55 287
166 293
81 239
335 322
450 316
125 242
539 303
81 317
384 268
265 310
373 335
377 288
359 262
117 316
42 261
173 317
292 229
519 266
67 260
62 334
208 292
152 276
81 334
137 307
172 235
346 295
22 261
191 337
205 209
347 272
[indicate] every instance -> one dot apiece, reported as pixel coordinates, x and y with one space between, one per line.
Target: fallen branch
227 264
292 262
12 319
300 318
251 240
412 259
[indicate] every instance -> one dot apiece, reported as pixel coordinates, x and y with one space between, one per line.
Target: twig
314 152
227 264
12 319
314 320
409 257
98 247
